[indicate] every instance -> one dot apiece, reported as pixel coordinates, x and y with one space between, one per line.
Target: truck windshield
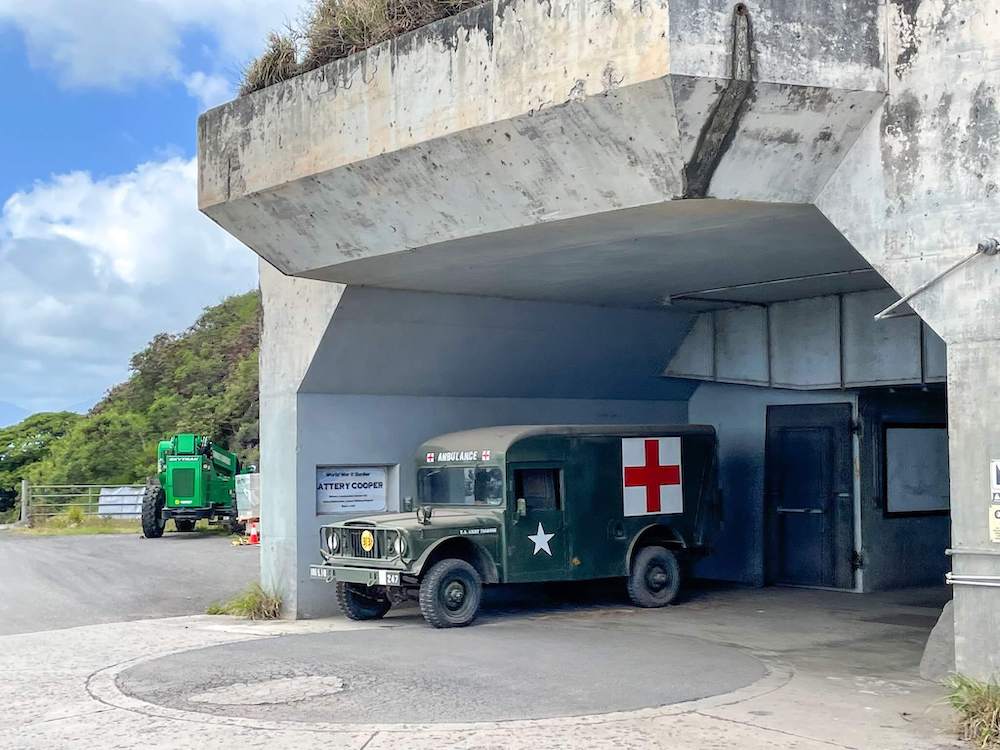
460 485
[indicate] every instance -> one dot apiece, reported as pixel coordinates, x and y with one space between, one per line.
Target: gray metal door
809 498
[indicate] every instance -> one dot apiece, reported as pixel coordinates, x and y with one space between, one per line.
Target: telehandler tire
185 524
359 602
450 594
153 500
654 578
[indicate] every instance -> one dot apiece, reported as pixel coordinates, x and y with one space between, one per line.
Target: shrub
333 29
277 63
978 707
253 603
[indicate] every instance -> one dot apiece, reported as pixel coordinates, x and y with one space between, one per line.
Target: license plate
321 572
388 578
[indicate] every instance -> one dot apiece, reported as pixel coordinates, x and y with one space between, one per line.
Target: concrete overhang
463 148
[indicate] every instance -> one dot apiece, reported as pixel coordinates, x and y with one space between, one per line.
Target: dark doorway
809 496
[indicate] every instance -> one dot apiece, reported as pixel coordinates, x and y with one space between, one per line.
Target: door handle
801 510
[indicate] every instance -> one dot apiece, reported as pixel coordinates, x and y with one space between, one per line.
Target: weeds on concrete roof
332 29
278 62
978 707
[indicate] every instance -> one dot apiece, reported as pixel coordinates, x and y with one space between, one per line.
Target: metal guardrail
40 502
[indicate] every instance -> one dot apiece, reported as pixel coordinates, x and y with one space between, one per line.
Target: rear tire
359 602
152 517
450 594
654 578
184 524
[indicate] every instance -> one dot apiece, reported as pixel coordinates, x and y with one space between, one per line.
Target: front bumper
189 514
365 576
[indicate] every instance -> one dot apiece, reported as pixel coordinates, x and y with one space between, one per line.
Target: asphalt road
512 668
65 581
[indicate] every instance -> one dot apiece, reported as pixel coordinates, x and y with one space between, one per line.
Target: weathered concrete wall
918 190
541 111
296 313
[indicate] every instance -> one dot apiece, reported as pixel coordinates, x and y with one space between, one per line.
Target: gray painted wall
898 550
381 341
816 343
739 414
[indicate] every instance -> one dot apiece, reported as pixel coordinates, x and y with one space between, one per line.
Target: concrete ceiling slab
636 258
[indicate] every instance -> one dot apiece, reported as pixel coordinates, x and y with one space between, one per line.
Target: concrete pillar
974 439
296 314
917 192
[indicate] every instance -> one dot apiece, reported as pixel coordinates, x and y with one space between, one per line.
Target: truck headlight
399 546
332 541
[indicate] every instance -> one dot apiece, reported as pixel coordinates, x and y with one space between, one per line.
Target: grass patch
333 29
978 707
252 603
74 523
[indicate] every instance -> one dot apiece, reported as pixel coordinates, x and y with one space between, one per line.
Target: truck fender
461 547
666 535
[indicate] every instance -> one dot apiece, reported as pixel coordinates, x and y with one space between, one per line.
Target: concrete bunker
494 221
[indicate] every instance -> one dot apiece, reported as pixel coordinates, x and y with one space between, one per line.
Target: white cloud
116 43
208 89
91 269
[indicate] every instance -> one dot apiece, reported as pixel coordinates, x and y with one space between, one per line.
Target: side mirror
522 508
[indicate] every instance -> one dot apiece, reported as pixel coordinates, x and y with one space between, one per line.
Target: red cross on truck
660 483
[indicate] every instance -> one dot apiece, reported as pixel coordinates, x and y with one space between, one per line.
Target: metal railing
40 502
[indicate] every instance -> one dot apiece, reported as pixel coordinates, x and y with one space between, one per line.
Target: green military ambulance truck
528 504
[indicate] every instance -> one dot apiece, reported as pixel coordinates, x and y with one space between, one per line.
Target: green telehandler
196 479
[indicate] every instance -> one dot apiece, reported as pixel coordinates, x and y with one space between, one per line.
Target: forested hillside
203 380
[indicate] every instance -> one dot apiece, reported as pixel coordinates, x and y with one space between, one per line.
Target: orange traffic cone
254 532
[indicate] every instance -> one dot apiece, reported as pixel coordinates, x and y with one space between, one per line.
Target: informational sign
995 523
350 489
995 501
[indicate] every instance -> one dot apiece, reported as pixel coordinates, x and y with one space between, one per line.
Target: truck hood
441 517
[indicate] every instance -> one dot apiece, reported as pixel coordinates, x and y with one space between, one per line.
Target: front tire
184 524
153 501
654 578
359 602
450 594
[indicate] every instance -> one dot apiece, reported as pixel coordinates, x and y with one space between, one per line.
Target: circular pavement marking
518 670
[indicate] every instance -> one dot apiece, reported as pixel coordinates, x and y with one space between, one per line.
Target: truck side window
538 487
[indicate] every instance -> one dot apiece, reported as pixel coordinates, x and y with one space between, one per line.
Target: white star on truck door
541 540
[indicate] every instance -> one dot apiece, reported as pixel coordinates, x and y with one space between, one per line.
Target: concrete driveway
773 668
49 582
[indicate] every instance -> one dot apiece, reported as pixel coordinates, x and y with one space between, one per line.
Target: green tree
204 380
25 444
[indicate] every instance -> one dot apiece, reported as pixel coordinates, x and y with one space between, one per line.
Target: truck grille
354 548
183 483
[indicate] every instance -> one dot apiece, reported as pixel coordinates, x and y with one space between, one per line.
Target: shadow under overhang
692 254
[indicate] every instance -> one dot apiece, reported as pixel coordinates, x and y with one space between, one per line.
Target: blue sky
98 227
